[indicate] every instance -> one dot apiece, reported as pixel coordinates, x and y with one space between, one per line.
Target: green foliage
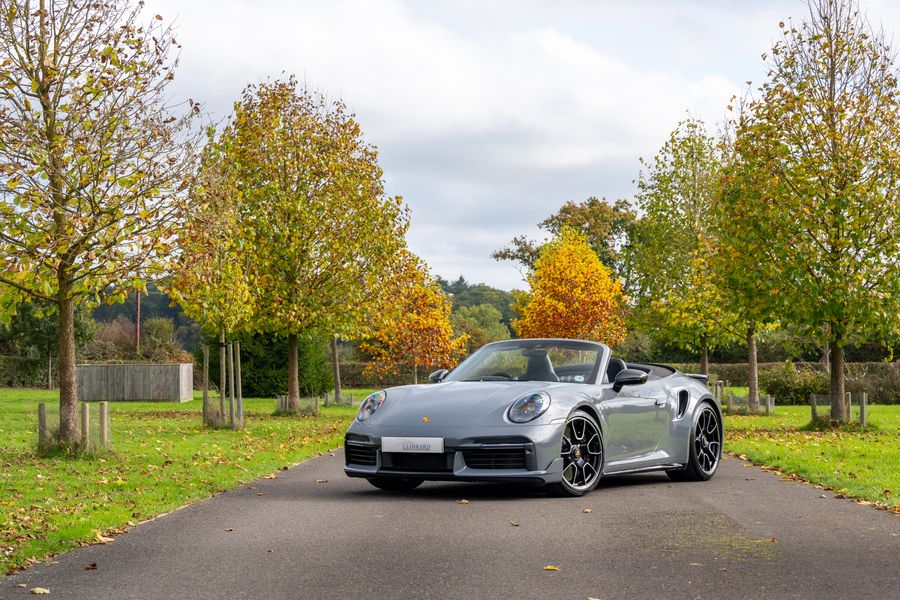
33 331
483 323
814 181
793 385
673 248
264 373
158 342
607 227
465 294
321 229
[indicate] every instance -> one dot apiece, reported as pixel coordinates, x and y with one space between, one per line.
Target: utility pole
137 324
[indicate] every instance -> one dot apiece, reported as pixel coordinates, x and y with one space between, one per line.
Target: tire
705 452
581 449
391 484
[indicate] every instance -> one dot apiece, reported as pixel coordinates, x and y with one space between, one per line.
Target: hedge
23 372
880 380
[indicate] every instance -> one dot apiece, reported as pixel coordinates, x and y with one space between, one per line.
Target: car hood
452 404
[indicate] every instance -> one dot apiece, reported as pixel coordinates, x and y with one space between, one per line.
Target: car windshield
531 360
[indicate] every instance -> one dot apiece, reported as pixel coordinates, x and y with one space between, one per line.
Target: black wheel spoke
582 453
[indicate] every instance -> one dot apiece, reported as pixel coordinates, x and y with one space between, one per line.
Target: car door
636 418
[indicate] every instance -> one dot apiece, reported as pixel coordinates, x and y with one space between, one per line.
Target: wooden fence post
42 425
85 425
812 405
231 415
104 424
206 384
848 405
864 409
237 383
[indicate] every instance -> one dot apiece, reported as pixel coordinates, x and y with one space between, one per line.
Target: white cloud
488 116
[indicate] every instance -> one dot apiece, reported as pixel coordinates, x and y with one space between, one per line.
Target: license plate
412 444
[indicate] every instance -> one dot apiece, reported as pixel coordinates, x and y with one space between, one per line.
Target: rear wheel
582 454
392 484
706 447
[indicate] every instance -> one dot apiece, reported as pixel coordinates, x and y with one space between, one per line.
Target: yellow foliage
413 324
573 295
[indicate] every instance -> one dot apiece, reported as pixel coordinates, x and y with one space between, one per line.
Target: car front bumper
525 456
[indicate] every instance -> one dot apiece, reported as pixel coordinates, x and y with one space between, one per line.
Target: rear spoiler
698 376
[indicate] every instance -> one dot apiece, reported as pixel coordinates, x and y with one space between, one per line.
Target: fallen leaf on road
723 568
462 501
695 564
21 585
513 524
551 568
822 496
284 468
774 541
90 567
259 493
103 539
271 476
229 529
40 591
588 510
321 481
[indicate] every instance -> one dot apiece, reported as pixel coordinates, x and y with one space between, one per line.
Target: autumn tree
92 159
605 225
673 247
320 228
821 151
571 295
412 323
210 279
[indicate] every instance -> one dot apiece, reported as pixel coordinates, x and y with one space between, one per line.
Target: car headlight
370 405
529 407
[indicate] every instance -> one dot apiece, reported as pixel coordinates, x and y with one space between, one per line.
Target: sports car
552 412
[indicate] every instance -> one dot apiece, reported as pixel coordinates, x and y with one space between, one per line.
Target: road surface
745 534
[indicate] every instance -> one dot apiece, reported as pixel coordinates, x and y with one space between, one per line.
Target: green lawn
162 458
858 464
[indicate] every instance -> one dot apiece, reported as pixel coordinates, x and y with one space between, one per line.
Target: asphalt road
745 534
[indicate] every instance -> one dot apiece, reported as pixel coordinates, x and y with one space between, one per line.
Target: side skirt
667 467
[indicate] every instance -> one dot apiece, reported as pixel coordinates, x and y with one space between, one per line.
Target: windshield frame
538 343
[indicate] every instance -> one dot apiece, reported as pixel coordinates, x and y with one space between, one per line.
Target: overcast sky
490 114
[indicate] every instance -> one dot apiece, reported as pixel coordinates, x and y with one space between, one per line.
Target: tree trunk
222 367
752 370
206 418
337 370
416 373
838 407
68 392
293 374
704 355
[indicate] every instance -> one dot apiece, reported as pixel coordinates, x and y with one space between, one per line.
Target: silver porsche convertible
551 412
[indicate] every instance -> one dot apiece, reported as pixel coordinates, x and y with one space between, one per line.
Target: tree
823 146
211 270
321 229
482 323
673 247
606 227
92 159
412 324
572 295
464 294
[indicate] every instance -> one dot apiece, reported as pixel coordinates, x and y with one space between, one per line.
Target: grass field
162 458
852 462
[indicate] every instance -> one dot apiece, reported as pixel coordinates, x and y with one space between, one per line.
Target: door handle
661 402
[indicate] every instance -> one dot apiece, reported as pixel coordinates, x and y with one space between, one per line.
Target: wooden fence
135 382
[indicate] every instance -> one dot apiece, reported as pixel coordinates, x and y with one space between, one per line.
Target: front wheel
392 484
582 454
706 447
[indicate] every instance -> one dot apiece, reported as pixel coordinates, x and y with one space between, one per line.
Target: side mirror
629 377
438 376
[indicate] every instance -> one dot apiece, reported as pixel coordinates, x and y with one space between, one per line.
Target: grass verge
860 464
161 459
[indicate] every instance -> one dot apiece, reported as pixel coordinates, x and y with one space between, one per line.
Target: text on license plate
412 444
